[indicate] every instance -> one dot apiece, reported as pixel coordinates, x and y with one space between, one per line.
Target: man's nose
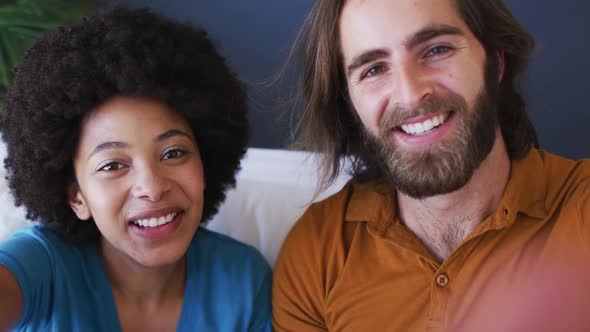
150 183
413 86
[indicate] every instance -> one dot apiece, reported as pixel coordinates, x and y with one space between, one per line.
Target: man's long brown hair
328 123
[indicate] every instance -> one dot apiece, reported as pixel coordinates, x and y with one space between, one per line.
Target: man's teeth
155 222
423 127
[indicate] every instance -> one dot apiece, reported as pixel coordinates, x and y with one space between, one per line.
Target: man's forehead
366 24
401 17
403 7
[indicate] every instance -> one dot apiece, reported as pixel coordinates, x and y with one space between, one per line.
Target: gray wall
255 36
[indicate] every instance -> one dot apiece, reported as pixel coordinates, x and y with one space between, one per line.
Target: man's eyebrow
172 133
107 146
430 32
423 35
365 58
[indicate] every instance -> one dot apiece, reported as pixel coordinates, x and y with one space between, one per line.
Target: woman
123 134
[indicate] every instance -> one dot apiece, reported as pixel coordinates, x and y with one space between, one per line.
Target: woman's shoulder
48 251
220 247
225 276
219 253
35 238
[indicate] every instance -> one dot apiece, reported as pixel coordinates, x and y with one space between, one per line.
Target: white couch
273 190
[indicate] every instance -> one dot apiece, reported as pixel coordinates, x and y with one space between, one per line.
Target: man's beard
444 166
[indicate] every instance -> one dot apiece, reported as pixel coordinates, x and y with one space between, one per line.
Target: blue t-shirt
65 287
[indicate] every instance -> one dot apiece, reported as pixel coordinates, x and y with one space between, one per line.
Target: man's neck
442 222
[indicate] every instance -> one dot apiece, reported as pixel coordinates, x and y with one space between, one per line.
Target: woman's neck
139 284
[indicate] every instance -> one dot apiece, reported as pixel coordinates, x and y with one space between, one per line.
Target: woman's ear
78 202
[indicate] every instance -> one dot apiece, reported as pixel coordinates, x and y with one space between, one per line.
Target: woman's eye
111 166
173 154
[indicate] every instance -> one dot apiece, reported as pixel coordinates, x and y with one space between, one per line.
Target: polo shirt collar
375 201
527 186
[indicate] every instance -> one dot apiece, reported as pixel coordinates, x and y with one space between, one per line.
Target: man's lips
418 135
424 124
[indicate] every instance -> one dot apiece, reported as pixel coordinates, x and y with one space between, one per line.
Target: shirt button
442 280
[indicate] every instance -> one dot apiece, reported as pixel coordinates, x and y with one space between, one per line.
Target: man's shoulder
561 164
567 182
328 212
325 222
356 201
565 174
334 202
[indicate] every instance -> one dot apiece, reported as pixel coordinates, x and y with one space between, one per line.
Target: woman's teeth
420 128
155 222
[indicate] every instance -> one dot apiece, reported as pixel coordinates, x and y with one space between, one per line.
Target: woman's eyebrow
172 133
107 146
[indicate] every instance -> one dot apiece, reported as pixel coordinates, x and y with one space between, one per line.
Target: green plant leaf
13 45
45 25
24 32
23 21
4 80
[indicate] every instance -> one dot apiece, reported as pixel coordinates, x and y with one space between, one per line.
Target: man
454 220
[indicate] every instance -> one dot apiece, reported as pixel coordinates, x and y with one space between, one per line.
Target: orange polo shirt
349 264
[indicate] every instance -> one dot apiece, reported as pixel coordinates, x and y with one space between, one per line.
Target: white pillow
273 190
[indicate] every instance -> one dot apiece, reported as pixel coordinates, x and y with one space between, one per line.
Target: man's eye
111 166
438 50
373 71
173 154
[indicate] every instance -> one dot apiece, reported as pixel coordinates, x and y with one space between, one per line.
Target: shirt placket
440 289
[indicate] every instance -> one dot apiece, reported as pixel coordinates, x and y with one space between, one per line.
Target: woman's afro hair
119 52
